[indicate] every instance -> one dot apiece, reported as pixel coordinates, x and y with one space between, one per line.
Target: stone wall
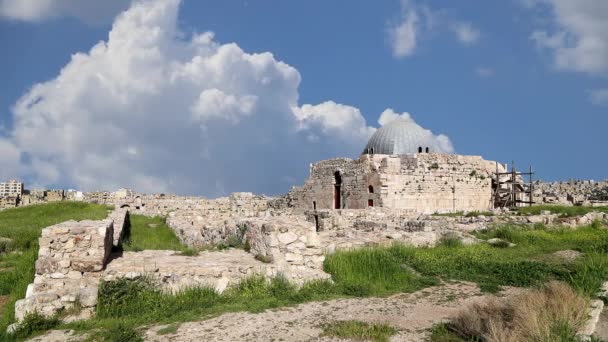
584 192
70 260
215 220
291 243
122 224
425 183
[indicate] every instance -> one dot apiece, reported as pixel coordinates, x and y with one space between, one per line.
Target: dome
402 136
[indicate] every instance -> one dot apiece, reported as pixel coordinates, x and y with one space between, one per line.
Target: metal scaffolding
510 188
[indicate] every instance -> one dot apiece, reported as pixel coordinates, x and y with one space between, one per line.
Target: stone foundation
70 260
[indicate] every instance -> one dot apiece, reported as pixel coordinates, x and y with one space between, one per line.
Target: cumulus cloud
403 35
578 36
415 23
158 112
599 97
466 33
438 143
90 11
334 119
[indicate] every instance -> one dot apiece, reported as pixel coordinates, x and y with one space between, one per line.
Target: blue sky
499 90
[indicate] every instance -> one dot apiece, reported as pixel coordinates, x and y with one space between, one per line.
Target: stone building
11 188
402 167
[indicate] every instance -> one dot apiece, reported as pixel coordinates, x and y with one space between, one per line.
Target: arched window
427 150
420 149
371 151
370 189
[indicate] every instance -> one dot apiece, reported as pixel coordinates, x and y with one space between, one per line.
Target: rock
394 236
287 238
568 255
500 243
11 329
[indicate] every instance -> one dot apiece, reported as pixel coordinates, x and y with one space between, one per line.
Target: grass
23 226
152 233
359 331
564 211
124 305
554 312
383 270
169 329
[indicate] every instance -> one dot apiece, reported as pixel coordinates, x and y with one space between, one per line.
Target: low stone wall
291 243
122 223
175 272
70 260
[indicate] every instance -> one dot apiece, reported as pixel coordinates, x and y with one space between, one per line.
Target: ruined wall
290 243
70 260
429 183
212 221
425 183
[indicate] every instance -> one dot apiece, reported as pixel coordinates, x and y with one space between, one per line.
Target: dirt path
412 314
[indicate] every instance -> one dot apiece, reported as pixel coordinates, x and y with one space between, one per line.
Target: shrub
552 313
450 241
35 323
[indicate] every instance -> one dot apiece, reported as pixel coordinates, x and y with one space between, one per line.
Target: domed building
405 167
403 136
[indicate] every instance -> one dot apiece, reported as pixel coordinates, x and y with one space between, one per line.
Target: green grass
359 331
169 329
378 271
152 233
23 227
565 211
124 305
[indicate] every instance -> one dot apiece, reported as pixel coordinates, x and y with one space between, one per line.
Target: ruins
392 192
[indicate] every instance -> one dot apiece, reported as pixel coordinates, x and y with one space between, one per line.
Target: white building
11 188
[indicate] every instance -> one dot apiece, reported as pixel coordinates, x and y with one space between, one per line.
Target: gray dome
402 136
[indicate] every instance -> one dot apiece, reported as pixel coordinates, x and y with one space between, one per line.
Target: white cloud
578 37
390 115
484 72
403 35
466 33
599 97
417 21
334 119
10 160
152 110
90 11
439 143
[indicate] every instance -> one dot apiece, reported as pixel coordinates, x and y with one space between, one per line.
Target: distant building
11 188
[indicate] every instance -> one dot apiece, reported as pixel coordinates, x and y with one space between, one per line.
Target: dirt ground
412 314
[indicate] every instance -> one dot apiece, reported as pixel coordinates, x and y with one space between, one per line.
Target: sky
212 97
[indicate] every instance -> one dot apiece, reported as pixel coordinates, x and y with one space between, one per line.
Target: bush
554 312
35 323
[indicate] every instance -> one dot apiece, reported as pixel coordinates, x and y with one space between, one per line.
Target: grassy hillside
17 258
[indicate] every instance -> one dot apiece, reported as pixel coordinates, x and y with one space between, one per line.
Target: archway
337 190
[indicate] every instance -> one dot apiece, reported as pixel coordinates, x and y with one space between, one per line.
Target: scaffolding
511 189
